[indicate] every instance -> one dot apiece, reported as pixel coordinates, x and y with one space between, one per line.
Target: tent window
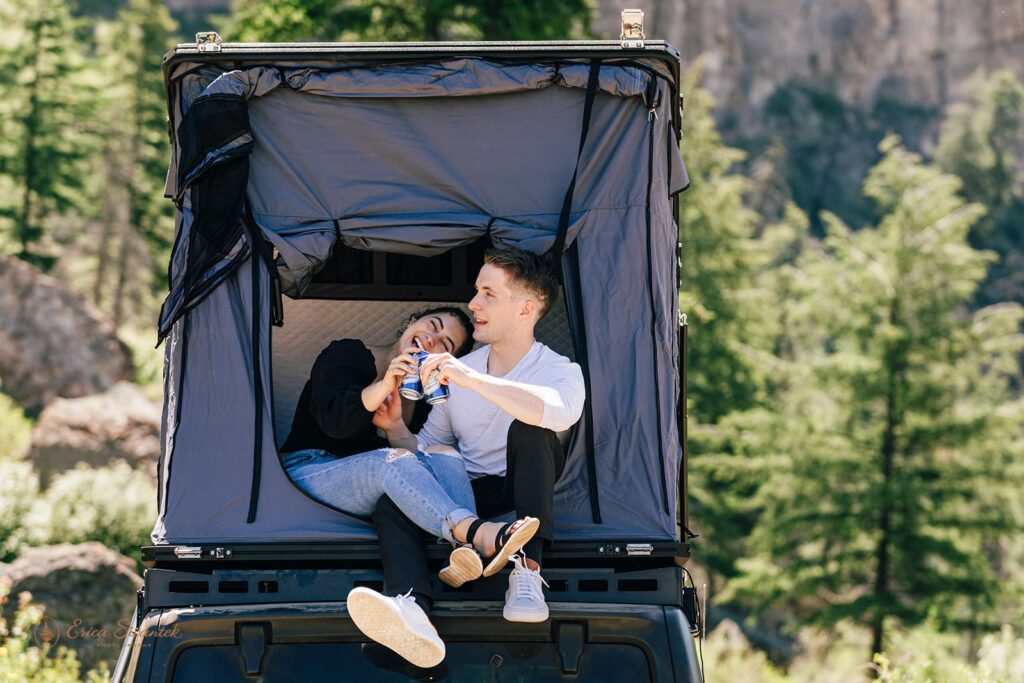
366 275
347 266
403 269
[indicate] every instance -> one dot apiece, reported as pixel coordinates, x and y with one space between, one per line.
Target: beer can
412 387
435 392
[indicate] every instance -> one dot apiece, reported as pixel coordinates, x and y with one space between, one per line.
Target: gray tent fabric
419 159
392 119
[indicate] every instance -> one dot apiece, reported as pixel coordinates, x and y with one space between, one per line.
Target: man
509 399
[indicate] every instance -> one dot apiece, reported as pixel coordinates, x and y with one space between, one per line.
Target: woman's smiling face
435 332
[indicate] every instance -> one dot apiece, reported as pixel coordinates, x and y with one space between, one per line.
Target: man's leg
395 618
402 553
535 462
402 542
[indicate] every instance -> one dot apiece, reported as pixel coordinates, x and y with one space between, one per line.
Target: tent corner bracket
208 41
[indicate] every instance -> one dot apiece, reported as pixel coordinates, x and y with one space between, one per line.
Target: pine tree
44 104
896 456
135 224
980 143
716 231
403 20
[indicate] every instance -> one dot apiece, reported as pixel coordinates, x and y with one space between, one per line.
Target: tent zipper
653 305
169 456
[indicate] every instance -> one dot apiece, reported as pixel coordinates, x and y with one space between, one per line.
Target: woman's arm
401 365
337 380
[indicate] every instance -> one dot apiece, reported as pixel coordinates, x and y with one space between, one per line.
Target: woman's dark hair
454 311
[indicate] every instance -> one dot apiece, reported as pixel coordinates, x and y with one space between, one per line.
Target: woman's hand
389 413
401 365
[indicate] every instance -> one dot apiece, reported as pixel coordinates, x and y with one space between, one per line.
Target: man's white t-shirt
479 429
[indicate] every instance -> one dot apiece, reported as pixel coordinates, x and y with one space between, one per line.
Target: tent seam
450 213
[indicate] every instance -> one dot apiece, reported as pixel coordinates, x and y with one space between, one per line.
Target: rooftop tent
282 163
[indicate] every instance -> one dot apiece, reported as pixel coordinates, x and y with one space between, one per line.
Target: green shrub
147 360
25 656
15 429
19 487
729 657
924 655
919 655
1002 655
113 505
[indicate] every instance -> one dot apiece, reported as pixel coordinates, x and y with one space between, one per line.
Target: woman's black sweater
330 414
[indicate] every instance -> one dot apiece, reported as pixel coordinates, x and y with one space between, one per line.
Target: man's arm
556 407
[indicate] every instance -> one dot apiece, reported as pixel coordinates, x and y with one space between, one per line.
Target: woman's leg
447 466
355 483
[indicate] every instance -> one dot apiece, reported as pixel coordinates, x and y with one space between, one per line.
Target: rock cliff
52 343
920 53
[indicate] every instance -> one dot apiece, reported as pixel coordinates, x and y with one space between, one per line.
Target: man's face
498 309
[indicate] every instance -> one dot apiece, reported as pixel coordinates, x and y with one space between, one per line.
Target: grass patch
15 429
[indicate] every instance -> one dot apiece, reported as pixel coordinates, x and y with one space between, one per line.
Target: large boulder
88 592
52 343
120 424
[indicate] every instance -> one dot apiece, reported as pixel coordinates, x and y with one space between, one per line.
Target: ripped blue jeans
432 489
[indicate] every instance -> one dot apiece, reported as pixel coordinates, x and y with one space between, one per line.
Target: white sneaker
524 599
397 623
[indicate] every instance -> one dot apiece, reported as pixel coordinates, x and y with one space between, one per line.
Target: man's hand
450 370
389 413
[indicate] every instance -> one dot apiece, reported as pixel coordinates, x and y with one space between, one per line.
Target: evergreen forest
855 386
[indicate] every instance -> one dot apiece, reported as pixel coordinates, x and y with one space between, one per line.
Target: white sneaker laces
405 598
525 581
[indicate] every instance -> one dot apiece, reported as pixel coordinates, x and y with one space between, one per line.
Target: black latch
691 609
570 636
252 644
140 607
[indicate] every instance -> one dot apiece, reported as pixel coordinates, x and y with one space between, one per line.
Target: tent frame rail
207 555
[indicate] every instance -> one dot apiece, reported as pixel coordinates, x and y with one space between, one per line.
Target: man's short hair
527 271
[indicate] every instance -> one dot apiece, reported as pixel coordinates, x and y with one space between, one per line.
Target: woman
335 455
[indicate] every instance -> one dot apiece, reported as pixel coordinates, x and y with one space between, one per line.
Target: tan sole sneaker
528 526
398 624
464 564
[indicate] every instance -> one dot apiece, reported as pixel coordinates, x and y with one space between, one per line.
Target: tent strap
260 251
563 218
574 307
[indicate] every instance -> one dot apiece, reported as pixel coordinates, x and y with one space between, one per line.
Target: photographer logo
47 632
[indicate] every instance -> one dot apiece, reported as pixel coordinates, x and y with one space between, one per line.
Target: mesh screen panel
311 324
